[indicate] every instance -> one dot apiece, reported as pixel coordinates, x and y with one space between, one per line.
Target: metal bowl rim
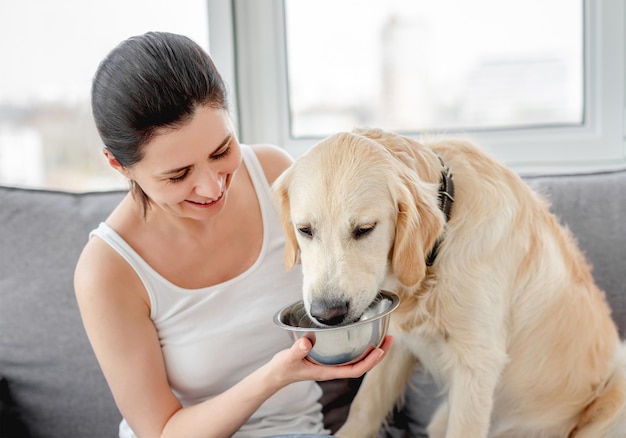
395 302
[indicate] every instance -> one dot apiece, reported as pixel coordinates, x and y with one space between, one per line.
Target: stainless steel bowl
344 344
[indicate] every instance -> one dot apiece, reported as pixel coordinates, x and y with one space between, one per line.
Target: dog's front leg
380 390
470 399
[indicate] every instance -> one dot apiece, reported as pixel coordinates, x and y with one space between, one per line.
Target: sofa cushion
11 423
45 356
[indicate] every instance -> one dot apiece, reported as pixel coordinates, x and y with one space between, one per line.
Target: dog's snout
329 312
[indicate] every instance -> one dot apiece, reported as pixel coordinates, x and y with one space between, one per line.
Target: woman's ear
281 195
114 163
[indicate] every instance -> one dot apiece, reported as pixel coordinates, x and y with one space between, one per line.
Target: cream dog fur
507 319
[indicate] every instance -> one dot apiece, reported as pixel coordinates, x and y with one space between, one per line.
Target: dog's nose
329 312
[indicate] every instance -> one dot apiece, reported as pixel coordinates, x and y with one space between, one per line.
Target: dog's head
355 210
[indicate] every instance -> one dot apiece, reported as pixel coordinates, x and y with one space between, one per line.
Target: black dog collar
446 199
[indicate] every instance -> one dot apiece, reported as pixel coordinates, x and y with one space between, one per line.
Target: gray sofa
51 385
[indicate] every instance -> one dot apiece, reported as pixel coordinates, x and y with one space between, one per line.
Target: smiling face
343 217
187 171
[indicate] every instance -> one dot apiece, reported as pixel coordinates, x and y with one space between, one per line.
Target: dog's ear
281 196
419 220
419 224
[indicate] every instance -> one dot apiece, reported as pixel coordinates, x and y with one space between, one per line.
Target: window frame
248 44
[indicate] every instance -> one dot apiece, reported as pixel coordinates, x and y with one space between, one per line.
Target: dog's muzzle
329 312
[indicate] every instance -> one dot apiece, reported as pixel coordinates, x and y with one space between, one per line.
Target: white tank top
207 349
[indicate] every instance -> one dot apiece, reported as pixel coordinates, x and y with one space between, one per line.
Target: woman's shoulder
99 263
101 268
102 275
273 159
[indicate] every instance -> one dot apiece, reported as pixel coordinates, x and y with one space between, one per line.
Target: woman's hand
295 366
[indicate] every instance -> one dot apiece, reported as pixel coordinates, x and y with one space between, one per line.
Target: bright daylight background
415 65
395 64
50 50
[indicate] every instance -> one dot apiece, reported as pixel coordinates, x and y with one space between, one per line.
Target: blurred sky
51 48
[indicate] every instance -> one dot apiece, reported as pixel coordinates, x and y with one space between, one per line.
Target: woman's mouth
207 202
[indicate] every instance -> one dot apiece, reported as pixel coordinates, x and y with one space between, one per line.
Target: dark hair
149 82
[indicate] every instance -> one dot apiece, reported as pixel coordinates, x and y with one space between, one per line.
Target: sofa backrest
45 357
44 353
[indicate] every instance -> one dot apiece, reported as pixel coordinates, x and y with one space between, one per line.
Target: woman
178 286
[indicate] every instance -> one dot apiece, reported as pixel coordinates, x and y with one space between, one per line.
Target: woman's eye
363 231
222 153
305 230
180 177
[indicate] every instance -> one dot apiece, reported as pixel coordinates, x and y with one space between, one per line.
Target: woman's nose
209 184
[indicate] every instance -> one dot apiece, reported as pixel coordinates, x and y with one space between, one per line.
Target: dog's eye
363 231
305 230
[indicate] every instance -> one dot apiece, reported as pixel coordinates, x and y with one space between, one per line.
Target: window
538 84
413 66
50 51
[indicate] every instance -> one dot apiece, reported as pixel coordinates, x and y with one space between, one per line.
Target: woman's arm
225 414
116 315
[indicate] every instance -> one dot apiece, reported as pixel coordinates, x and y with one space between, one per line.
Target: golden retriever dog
497 301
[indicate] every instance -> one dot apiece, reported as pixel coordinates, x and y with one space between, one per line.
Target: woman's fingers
296 364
